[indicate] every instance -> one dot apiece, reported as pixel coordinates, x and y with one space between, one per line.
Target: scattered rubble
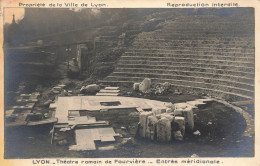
160 89
109 91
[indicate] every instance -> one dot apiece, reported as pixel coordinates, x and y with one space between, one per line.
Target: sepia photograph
129 83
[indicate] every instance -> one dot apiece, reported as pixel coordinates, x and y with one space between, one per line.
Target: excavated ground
221 131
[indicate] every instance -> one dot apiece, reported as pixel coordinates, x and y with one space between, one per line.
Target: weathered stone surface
189 118
180 106
169 110
136 86
156 111
143 123
197 104
145 85
92 88
178 135
181 124
197 132
178 112
164 130
166 85
128 142
167 116
151 127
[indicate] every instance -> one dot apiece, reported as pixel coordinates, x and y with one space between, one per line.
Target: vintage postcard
129 83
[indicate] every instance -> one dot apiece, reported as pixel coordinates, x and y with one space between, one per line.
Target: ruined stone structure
206 54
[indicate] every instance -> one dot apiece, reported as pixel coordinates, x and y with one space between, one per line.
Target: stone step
246 85
206 39
170 36
156 48
185 60
212 92
166 49
194 43
186 69
192 47
208 29
194 83
221 45
221 82
107 94
240 79
190 64
111 88
206 26
244 102
159 35
169 56
190 35
109 91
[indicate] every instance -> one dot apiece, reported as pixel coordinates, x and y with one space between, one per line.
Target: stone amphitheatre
146 83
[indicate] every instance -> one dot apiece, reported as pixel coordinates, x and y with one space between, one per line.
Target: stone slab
8 113
151 127
107 94
143 123
109 138
196 103
111 88
108 91
92 103
189 118
181 124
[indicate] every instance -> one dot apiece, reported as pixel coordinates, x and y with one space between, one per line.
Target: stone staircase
213 57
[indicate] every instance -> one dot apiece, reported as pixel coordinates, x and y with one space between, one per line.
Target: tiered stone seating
194 53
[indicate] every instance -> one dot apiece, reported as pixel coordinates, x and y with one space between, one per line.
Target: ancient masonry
170 122
209 55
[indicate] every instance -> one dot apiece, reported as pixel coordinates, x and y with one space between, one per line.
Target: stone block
143 123
151 127
189 118
180 105
178 135
168 105
178 112
136 86
156 111
92 88
145 85
169 110
164 130
57 88
167 116
197 103
180 121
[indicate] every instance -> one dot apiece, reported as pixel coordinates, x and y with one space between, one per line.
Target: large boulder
145 85
90 89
